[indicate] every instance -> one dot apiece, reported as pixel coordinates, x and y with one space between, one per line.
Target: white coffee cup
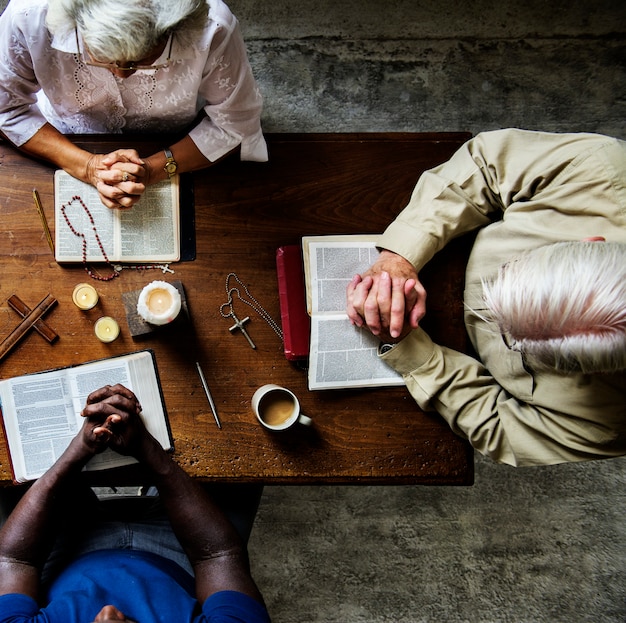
277 408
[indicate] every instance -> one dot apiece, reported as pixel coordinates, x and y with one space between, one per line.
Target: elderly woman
110 66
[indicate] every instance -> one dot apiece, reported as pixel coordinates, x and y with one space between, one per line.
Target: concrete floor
520 546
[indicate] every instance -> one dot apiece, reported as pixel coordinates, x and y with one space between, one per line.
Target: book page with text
331 268
68 247
343 355
151 228
340 354
42 411
89 377
135 371
45 421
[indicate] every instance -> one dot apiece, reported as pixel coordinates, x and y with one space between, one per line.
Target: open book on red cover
295 320
340 354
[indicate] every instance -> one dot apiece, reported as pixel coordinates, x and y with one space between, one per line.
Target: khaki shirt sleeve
458 387
478 184
497 424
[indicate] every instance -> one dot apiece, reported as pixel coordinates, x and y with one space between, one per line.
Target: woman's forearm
187 156
50 145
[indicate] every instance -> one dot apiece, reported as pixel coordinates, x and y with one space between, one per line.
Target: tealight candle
85 296
106 329
159 303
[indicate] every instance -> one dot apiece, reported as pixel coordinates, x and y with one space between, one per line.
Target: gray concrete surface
520 546
366 65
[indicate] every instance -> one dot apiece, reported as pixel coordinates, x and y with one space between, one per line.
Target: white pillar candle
85 296
106 329
159 303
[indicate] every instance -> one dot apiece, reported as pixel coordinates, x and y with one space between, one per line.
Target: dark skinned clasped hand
112 420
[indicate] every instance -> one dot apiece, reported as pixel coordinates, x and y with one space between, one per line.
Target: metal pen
44 221
207 391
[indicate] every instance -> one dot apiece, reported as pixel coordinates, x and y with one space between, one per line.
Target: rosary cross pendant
239 325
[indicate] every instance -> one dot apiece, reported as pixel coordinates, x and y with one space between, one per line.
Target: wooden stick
24 327
44 220
16 303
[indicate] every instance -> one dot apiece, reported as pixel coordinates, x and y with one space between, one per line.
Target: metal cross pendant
239 324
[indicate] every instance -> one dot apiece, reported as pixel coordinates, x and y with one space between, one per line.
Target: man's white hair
125 30
564 306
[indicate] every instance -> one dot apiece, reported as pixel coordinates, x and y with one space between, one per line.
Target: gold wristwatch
170 164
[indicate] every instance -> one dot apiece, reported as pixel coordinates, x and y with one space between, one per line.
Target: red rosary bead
78 234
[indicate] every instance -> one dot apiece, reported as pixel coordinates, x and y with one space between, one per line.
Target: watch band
171 165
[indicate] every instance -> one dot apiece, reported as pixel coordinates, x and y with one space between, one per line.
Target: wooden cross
239 325
31 319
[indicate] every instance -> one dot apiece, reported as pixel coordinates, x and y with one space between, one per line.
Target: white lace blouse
43 78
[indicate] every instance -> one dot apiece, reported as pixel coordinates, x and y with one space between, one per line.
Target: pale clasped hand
388 299
120 177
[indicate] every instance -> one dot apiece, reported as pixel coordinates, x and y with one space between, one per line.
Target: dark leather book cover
291 292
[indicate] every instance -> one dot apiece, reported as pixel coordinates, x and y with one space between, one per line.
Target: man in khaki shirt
526 191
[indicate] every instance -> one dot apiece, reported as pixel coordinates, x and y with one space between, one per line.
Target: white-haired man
545 296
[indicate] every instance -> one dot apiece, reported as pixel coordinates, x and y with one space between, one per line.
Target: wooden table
314 184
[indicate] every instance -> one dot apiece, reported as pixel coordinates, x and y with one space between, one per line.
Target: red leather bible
295 321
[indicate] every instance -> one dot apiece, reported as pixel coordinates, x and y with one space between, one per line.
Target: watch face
170 167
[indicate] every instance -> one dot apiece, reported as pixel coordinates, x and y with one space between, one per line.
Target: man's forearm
199 524
28 535
215 550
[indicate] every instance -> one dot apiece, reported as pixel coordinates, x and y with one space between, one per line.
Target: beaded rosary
116 269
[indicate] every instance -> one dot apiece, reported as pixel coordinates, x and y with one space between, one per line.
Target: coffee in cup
277 408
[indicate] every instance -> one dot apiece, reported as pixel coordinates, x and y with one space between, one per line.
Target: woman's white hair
125 30
563 306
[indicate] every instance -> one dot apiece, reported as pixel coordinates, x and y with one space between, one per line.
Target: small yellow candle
85 296
106 329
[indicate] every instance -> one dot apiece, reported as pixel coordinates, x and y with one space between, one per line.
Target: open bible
340 355
147 232
41 411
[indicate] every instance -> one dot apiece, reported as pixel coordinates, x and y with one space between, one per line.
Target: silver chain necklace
227 309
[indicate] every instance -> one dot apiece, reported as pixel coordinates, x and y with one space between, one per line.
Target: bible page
343 355
68 247
136 372
150 230
42 411
85 379
39 421
147 232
